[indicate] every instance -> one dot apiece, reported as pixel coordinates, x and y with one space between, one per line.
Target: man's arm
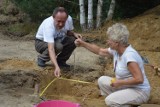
53 58
70 31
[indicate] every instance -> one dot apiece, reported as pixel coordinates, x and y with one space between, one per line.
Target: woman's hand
78 42
115 83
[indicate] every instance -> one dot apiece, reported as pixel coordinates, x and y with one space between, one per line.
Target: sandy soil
19 72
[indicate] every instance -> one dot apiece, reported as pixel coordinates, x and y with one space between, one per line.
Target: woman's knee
111 102
103 80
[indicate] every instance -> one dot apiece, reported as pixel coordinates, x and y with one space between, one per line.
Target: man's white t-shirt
120 66
48 32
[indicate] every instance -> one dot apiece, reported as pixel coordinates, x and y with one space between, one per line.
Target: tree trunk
111 10
82 15
90 14
99 13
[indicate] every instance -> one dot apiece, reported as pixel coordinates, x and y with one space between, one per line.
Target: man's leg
42 48
58 46
68 48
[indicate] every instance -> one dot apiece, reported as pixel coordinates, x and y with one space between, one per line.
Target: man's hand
57 72
77 35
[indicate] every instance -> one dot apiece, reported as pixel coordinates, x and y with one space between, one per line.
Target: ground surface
19 72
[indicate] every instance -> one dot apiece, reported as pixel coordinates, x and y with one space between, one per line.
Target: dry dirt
19 72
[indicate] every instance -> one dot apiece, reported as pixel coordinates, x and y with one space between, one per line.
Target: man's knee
69 39
40 45
72 38
58 46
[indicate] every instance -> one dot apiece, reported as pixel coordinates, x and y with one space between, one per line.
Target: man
55 40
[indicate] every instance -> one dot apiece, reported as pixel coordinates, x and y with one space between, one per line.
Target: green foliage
131 8
37 9
40 9
21 29
105 8
5 6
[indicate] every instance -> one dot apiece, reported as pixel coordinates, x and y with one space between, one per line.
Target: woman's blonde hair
118 32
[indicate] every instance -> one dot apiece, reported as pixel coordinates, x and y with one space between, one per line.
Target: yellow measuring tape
47 87
75 80
63 79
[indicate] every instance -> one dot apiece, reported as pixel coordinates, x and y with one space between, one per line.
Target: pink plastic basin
57 103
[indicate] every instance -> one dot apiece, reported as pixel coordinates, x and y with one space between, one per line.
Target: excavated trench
18 79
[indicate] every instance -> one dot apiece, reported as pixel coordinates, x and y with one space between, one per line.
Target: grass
21 29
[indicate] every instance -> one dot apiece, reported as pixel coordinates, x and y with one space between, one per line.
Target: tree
111 10
99 13
82 15
90 14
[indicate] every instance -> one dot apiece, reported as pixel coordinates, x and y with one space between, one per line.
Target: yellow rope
63 79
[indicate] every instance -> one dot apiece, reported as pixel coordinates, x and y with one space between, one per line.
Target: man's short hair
59 9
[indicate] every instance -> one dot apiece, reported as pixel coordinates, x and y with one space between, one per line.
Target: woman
130 86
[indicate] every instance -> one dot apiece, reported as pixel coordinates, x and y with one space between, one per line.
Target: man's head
60 16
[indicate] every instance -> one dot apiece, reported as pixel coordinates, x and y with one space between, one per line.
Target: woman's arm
135 70
92 47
